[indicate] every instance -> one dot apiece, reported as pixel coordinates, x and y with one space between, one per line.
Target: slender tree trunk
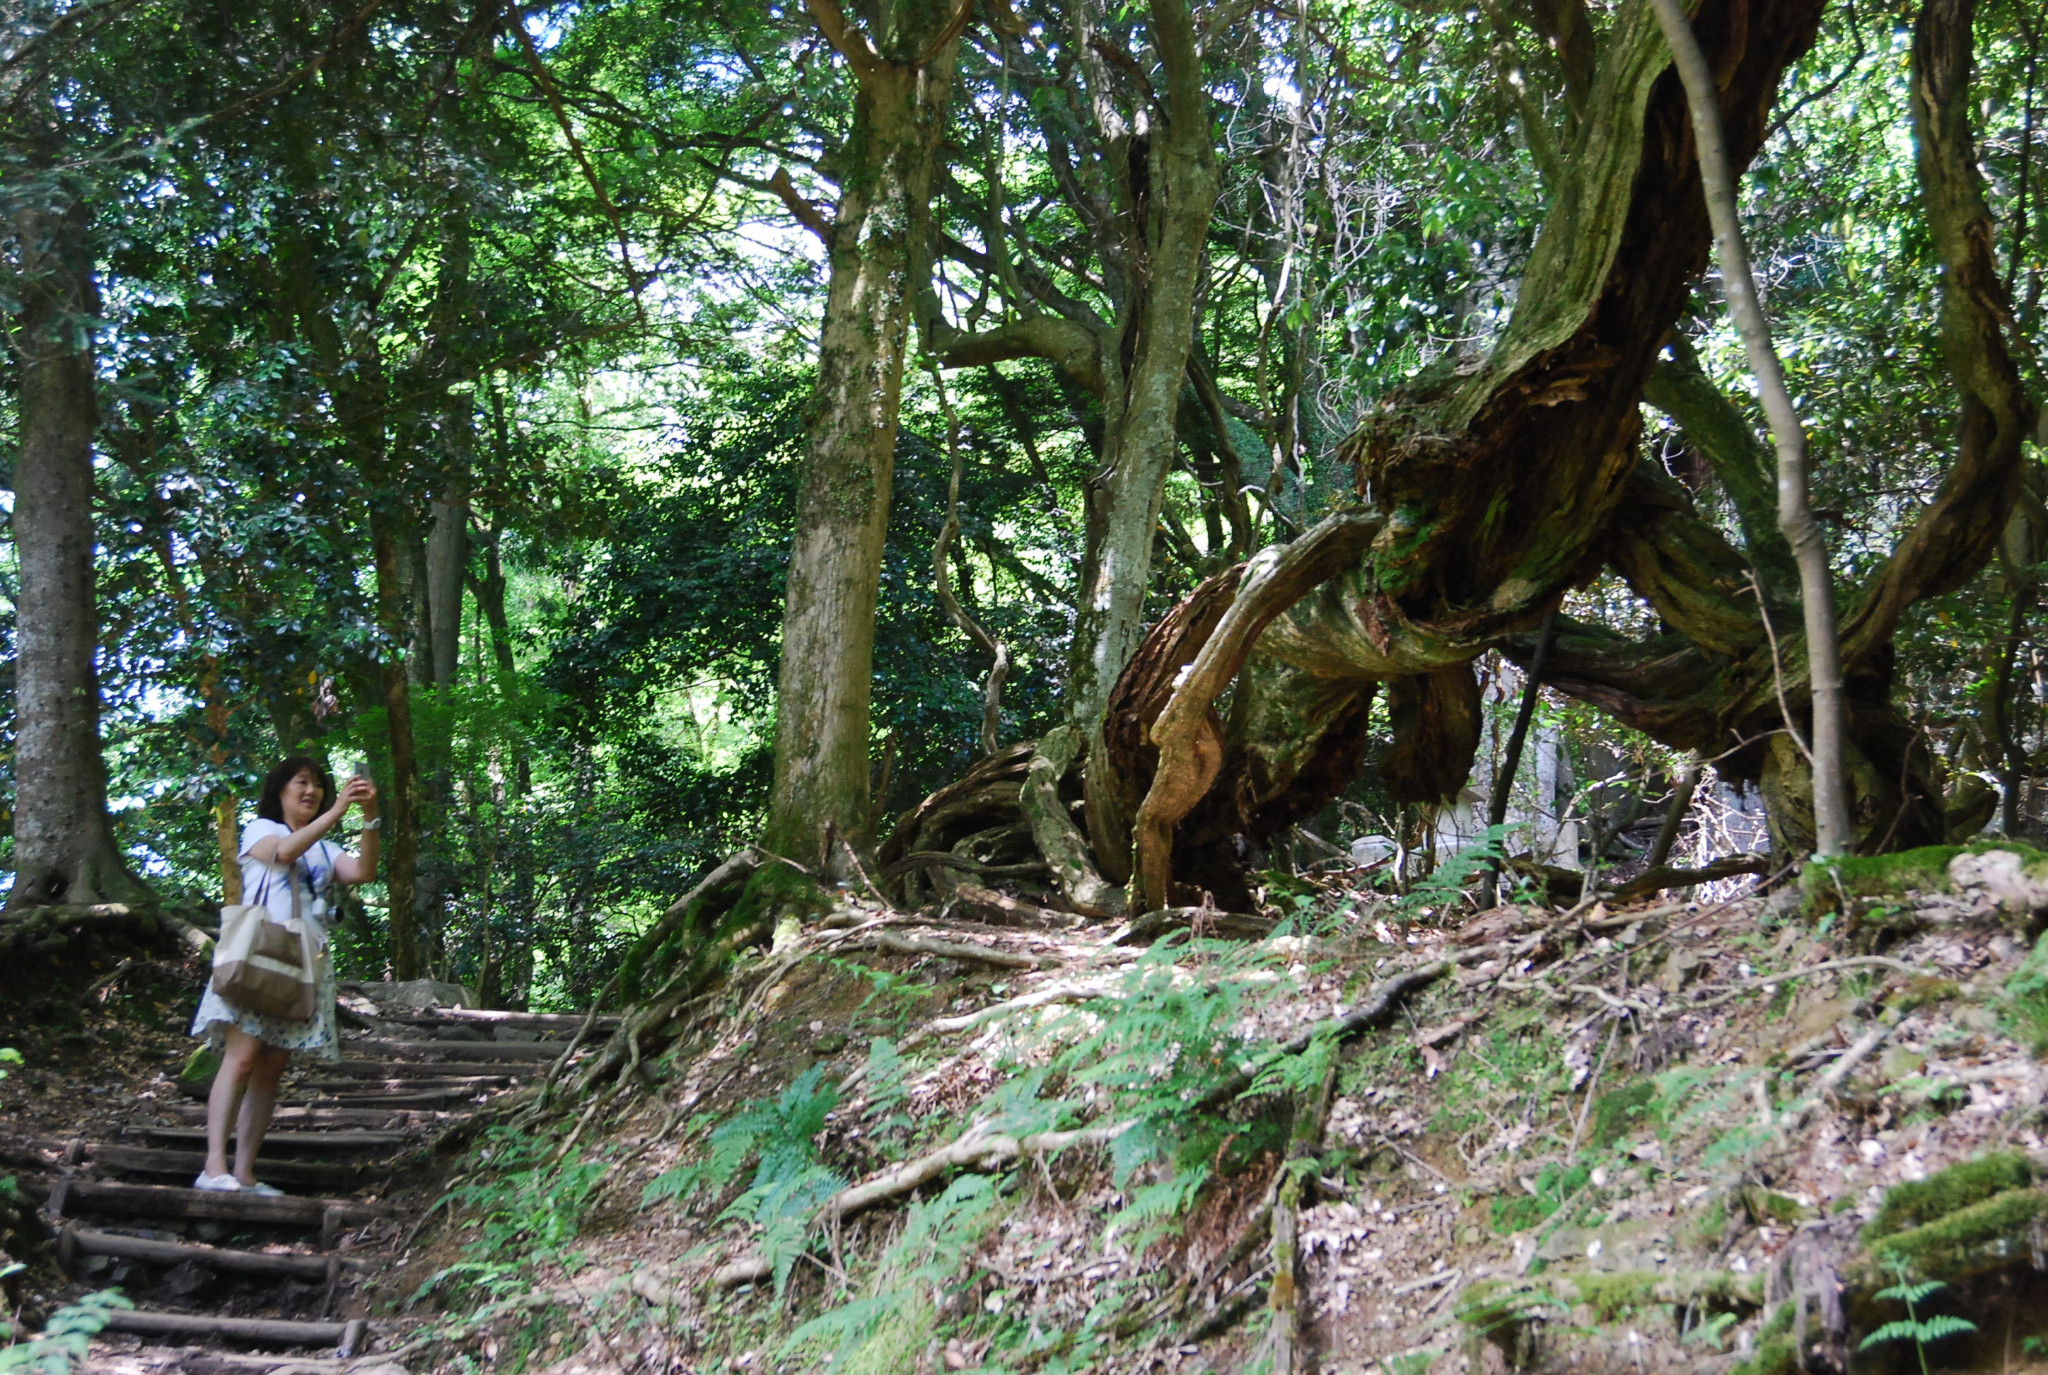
1834 828
362 417
1171 224
447 559
401 800
822 720
64 847
490 599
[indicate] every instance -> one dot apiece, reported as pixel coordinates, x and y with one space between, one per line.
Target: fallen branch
1374 1010
1653 880
1279 1351
1838 1073
1825 966
975 1149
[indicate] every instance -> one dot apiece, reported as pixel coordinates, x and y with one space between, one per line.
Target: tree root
949 950
1279 1350
999 910
647 1028
1054 831
1242 926
683 911
975 1149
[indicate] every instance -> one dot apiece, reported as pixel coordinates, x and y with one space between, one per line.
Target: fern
1914 1328
789 1184
936 1239
777 1132
66 1338
1445 885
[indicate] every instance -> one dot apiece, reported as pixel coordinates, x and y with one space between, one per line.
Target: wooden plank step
474 1050
302 1115
424 1069
523 1021
149 1160
75 1241
348 1336
283 1141
431 1098
190 1362
67 1196
410 1083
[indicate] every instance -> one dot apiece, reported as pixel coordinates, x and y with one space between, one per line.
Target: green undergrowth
521 1208
62 1346
1825 884
2023 1002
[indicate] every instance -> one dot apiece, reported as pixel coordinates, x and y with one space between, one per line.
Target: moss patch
196 1079
1996 1231
1613 1296
1767 1207
1775 1353
1620 1112
1554 1184
1823 884
1916 1204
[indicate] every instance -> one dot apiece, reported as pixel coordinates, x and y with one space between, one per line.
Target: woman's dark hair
270 804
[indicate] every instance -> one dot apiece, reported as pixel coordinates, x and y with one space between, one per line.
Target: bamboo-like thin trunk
1834 829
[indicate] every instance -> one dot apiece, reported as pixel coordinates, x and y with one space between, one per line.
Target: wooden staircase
239 1284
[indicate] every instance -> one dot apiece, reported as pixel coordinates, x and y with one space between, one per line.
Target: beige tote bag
265 965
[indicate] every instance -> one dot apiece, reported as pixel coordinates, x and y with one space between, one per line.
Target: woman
285 847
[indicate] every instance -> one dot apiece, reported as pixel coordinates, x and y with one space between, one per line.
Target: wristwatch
373 823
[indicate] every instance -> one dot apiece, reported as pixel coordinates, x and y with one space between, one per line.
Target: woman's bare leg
237 1056
266 1068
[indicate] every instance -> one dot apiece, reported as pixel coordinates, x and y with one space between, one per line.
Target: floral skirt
217 1014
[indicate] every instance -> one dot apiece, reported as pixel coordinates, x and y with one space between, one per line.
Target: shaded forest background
453 363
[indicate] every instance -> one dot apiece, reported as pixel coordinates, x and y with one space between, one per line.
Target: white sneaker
217 1183
261 1190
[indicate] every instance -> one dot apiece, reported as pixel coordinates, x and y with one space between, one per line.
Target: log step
425 1069
328 1116
67 1196
411 1083
347 1336
75 1241
523 1021
283 1141
474 1050
429 1099
147 1160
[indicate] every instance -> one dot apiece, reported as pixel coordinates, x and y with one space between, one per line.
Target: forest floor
1671 1137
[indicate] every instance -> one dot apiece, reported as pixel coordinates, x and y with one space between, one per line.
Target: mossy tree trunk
1492 489
903 69
1484 490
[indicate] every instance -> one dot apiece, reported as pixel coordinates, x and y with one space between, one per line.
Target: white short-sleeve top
268 883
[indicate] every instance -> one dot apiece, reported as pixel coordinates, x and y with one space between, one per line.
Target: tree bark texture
64 849
904 83
1169 185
